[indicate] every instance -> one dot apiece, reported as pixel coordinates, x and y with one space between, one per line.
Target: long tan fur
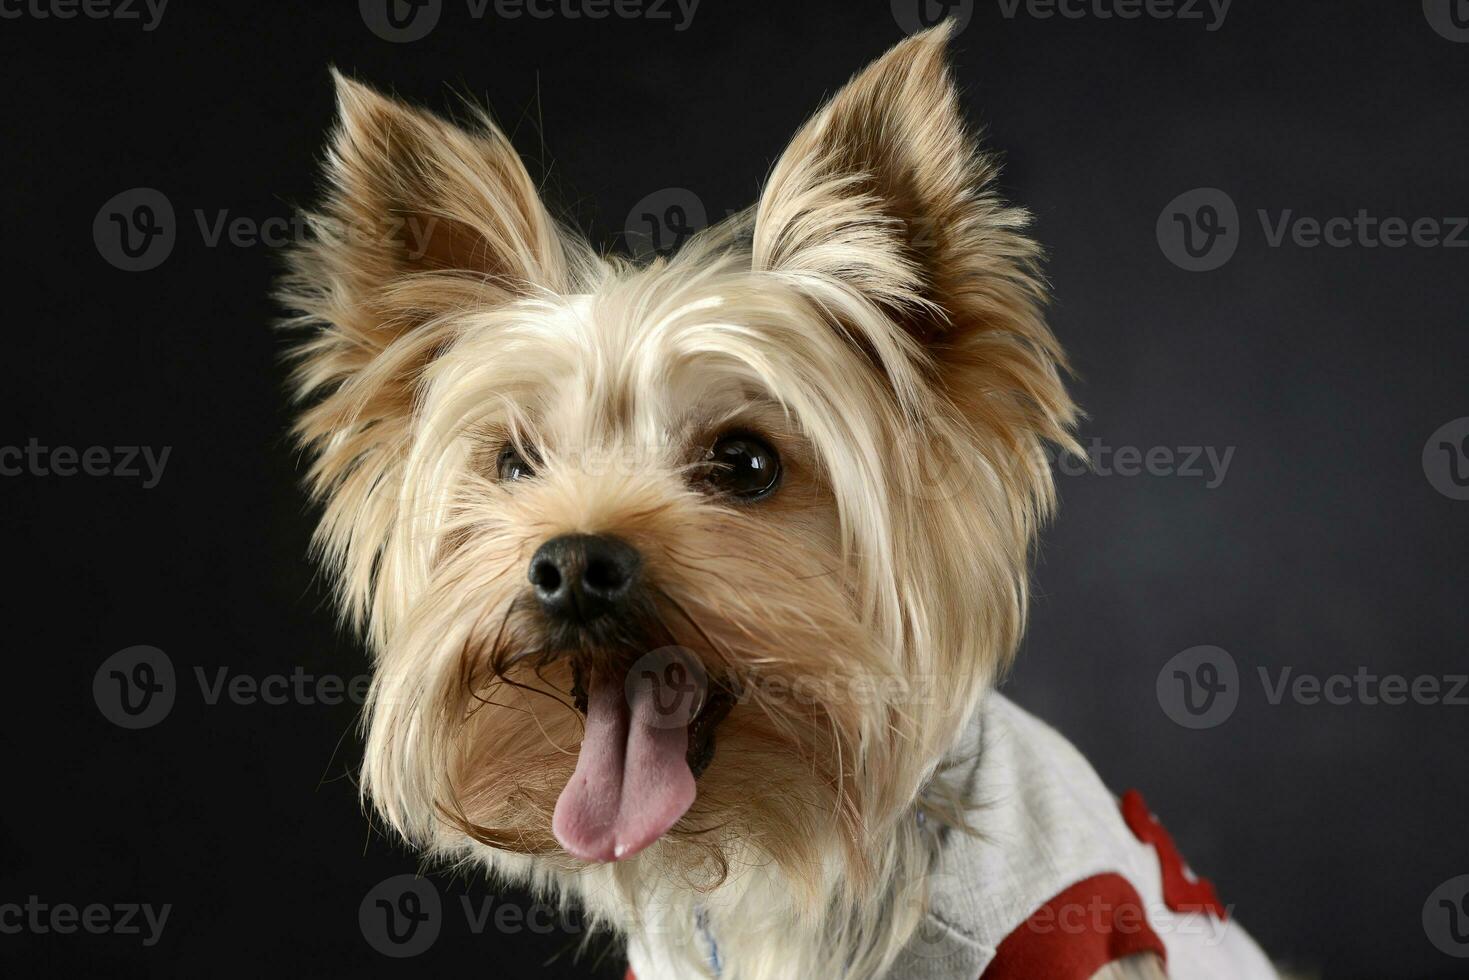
877 316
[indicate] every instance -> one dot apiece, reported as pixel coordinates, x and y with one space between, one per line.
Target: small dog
688 581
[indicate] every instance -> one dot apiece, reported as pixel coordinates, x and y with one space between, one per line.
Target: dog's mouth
640 757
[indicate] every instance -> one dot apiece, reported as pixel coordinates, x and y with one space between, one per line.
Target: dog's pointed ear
877 186
422 219
885 191
411 192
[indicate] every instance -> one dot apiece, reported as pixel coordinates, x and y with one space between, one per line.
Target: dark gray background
1326 548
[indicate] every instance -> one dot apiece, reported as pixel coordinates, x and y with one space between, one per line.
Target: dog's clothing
1061 879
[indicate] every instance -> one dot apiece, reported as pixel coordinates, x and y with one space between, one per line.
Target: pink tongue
632 780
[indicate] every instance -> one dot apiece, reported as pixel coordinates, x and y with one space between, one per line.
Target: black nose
580 577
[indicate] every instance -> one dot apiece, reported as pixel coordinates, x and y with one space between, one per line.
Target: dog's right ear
422 218
413 193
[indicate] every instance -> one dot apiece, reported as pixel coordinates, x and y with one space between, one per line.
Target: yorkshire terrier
688 580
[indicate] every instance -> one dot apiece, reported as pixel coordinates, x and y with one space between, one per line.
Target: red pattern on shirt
1182 891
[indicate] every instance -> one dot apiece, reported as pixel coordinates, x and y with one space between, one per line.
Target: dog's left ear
885 191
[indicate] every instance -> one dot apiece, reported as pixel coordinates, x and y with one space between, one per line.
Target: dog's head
703 556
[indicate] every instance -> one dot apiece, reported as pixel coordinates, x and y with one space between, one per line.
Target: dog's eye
512 465
743 465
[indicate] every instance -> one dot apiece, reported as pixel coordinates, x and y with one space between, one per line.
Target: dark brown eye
513 466
744 465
